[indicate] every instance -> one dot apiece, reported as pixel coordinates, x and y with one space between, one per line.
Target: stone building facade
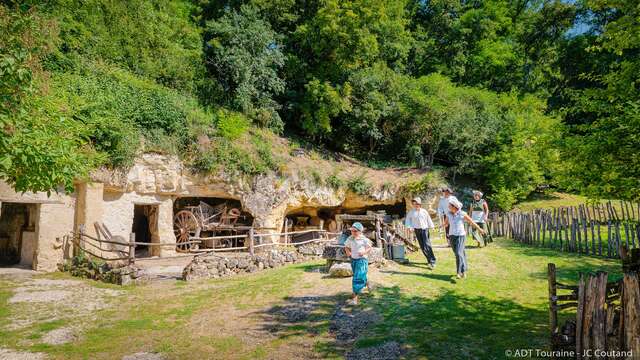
33 226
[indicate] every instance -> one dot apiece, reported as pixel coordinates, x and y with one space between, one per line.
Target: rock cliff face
269 198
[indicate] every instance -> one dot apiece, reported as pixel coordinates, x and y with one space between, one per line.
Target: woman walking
357 248
455 219
479 210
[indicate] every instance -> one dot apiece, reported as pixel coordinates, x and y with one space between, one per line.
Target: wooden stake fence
585 229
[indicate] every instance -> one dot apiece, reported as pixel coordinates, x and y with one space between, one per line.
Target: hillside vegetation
511 94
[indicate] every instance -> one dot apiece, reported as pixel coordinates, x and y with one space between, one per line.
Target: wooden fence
117 249
606 315
586 229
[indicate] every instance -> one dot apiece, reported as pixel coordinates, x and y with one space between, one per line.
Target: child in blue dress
357 248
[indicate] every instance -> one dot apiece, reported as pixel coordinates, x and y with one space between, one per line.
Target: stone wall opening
18 235
145 228
309 218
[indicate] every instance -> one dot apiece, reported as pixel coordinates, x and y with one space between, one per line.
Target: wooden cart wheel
185 227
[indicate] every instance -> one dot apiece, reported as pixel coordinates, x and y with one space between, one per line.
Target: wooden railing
117 249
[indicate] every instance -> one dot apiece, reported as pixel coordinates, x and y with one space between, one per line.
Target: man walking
420 221
443 208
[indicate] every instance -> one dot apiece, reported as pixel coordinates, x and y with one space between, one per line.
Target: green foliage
359 185
334 181
232 157
119 109
39 150
231 125
604 105
426 183
525 154
496 44
157 40
243 56
316 177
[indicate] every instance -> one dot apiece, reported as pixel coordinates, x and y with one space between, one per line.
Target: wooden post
251 241
132 248
286 231
630 304
553 300
610 240
378 234
80 241
579 316
599 327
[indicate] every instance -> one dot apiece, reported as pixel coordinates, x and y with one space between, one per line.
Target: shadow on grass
450 325
440 277
568 265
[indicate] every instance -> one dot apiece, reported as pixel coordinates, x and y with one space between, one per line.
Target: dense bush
40 150
119 109
157 40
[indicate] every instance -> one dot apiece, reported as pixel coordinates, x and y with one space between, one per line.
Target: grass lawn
501 305
558 199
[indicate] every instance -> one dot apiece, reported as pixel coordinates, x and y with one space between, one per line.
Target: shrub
120 108
231 124
316 177
429 181
335 181
359 185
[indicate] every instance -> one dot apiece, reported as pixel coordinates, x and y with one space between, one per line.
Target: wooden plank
599 327
132 248
553 313
631 313
588 313
580 316
251 241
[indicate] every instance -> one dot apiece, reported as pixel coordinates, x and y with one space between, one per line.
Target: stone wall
215 266
54 219
118 217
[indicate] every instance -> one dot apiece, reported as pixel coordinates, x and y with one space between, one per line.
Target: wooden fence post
580 316
630 334
132 248
251 241
553 311
80 240
286 231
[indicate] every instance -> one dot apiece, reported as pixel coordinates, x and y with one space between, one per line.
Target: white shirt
356 245
419 219
456 223
443 204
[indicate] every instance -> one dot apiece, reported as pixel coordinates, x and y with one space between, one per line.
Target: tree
38 151
243 55
603 151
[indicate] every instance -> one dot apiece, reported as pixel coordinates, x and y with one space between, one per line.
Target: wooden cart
192 221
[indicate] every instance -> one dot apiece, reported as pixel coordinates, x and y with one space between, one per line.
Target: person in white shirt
420 221
443 208
456 218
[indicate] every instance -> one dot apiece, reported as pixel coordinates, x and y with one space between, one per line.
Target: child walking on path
455 219
357 248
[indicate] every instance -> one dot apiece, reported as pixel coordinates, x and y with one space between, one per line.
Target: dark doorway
17 233
145 226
